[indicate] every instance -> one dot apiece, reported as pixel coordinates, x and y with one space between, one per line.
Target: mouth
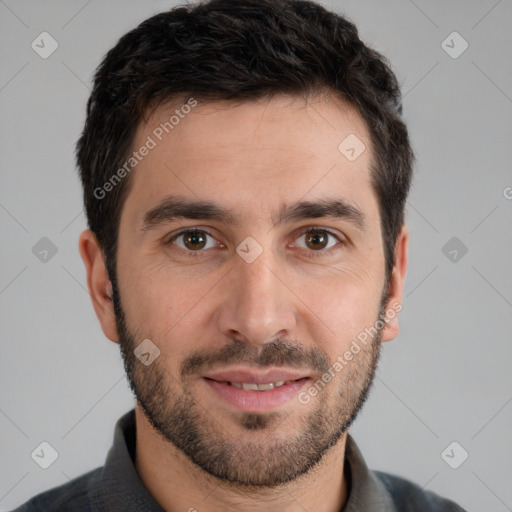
250 386
251 392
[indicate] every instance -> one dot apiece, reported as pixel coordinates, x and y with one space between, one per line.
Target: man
245 172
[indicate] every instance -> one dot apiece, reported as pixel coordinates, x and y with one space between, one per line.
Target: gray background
446 378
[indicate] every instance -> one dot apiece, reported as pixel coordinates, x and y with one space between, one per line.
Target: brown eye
194 240
316 240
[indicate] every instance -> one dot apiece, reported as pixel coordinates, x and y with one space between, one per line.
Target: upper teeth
258 387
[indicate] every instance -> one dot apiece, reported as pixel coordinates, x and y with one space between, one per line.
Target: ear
100 288
394 305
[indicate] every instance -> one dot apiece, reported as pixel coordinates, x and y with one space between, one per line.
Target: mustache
276 353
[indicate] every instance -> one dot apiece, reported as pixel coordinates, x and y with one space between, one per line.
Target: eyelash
310 253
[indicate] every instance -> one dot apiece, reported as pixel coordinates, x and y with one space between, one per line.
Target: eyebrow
330 208
175 207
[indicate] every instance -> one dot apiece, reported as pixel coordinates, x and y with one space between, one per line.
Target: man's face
275 292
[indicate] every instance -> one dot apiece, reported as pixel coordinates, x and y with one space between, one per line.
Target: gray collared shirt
116 487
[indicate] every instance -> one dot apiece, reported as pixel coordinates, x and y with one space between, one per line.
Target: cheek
162 302
346 302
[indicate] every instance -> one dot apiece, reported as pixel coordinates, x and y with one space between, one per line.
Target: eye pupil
194 240
316 237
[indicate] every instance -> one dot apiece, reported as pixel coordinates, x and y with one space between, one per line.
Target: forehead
259 154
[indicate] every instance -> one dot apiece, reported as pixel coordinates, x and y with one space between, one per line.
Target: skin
250 157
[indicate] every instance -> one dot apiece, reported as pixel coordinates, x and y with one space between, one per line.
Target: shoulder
68 497
409 497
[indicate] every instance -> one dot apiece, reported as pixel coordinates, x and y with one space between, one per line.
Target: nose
257 304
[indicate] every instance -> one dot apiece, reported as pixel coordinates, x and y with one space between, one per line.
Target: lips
253 391
275 376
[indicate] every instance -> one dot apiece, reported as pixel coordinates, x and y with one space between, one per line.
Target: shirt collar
118 486
367 492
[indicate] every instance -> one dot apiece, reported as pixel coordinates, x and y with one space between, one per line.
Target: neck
177 484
